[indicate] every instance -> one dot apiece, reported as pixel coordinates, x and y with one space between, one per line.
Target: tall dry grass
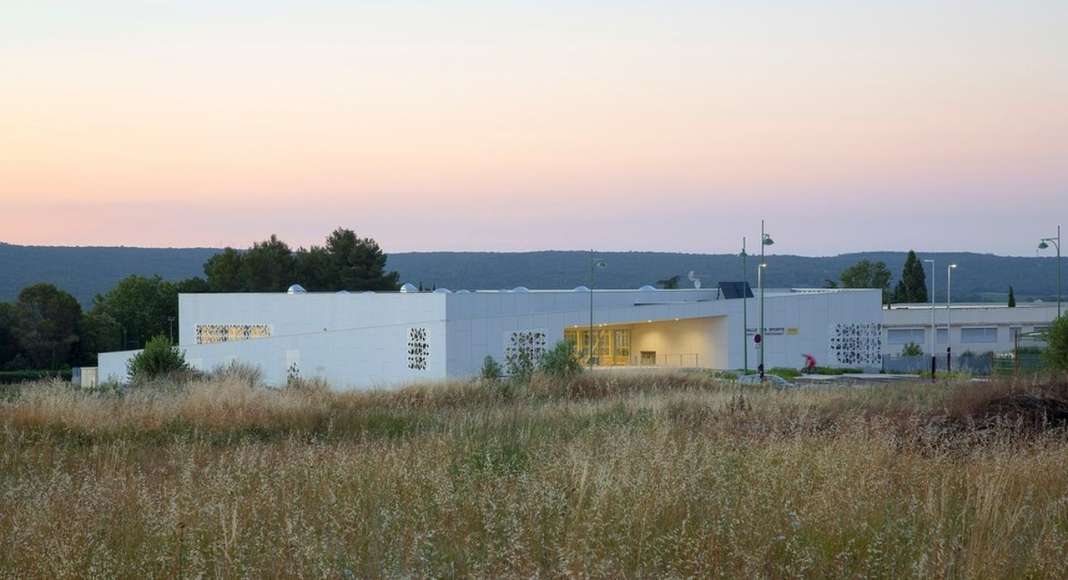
607 477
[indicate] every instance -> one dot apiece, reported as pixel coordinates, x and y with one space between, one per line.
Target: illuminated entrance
612 345
685 343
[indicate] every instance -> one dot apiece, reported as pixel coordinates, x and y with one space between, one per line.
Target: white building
978 328
368 340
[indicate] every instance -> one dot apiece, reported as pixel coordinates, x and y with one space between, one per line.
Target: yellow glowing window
213 333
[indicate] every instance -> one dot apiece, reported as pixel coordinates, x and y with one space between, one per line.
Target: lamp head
953 266
1043 245
767 240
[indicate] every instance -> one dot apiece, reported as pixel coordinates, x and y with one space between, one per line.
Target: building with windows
382 339
977 328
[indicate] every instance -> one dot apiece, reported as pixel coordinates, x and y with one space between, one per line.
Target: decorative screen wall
212 333
418 348
856 344
526 344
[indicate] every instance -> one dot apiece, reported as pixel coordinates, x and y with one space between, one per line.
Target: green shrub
1057 344
560 361
522 361
159 358
491 369
912 349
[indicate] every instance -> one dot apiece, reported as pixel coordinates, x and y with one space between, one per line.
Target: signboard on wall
775 331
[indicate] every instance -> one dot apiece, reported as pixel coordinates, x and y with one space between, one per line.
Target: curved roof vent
409 288
581 289
463 291
521 289
296 289
442 291
647 288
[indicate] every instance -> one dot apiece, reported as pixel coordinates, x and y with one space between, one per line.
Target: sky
499 125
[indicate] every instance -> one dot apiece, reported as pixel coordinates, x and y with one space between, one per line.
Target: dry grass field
610 476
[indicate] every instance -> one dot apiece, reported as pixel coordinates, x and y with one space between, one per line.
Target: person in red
810 363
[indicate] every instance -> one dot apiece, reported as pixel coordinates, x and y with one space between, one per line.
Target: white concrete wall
811 315
479 323
360 340
1025 317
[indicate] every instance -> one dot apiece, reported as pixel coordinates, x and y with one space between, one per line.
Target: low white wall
111 366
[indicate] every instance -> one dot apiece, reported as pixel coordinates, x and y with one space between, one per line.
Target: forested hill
87 271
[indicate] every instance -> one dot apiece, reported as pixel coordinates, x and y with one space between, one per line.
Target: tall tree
359 262
9 347
1012 298
315 269
136 309
868 274
194 285
346 262
47 323
912 287
268 266
224 271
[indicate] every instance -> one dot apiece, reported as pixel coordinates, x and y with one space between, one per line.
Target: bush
912 349
521 363
560 361
1057 344
159 358
491 369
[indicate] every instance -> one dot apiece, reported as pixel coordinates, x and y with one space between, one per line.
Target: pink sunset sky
503 125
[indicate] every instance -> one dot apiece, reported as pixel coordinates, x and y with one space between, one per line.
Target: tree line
910 288
46 327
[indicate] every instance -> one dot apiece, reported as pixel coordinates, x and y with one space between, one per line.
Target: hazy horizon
468 125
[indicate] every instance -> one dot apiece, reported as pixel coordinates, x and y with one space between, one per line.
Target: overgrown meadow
601 476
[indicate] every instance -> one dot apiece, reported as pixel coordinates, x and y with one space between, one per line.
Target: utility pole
949 316
934 329
745 312
594 266
1044 244
765 240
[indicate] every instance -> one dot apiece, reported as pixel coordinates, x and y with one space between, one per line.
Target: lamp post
765 240
745 314
1044 244
170 322
949 315
595 264
934 331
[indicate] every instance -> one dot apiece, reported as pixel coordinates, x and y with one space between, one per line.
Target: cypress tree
1012 298
913 284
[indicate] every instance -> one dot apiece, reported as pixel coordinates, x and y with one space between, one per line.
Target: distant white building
978 328
382 339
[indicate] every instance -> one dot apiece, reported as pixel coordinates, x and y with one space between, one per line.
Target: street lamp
934 331
949 315
595 265
765 241
745 313
1043 244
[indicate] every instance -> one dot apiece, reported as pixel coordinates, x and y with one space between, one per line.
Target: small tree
560 361
160 357
1012 298
911 349
491 369
522 360
1057 344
